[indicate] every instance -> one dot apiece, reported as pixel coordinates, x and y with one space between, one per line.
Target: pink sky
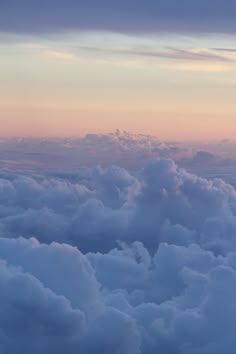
49 88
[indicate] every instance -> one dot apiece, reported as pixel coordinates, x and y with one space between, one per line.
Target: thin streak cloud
196 54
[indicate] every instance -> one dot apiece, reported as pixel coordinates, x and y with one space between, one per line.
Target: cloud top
105 260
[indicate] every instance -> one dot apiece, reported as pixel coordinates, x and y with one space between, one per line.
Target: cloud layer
122 16
102 260
121 148
93 208
130 151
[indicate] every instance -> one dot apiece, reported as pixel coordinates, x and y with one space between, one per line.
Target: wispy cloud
196 54
61 55
137 54
203 59
230 50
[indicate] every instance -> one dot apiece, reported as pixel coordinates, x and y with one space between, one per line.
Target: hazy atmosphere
117 177
72 67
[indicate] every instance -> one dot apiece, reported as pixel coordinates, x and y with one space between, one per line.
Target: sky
159 67
117 177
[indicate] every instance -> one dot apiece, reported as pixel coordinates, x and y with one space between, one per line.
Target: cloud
42 312
34 318
121 148
196 59
93 208
127 300
202 158
229 50
125 262
190 54
132 16
130 151
61 55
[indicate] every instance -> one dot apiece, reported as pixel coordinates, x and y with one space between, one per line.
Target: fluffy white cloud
181 300
153 268
95 208
51 302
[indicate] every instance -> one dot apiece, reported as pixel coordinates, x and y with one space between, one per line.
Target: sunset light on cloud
117 177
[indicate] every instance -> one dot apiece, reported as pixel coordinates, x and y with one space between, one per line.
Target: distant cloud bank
121 148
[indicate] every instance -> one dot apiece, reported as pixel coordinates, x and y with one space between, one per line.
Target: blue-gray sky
126 16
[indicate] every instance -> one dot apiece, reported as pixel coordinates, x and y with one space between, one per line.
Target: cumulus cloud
93 208
50 302
132 16
105 260
180 300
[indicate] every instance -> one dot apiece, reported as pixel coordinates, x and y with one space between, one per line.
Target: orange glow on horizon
167 126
